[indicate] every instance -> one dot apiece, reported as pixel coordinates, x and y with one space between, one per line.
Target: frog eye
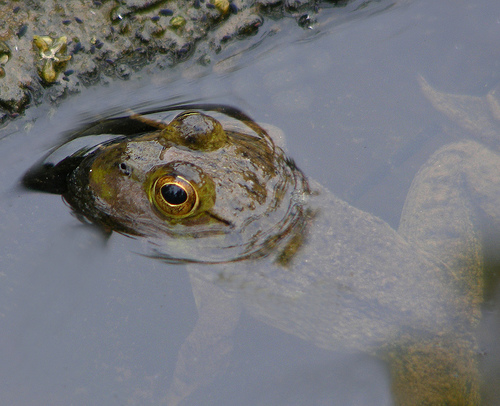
196 131
174 196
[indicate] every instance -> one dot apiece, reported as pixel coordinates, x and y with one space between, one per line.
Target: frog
216 191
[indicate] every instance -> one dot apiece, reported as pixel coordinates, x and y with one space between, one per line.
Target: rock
41 40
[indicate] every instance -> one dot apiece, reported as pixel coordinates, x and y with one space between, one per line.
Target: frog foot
478 114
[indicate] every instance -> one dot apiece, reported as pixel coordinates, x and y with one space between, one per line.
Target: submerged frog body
218 197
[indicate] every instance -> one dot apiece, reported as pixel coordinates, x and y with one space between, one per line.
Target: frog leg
440 214
482 173
474 113
440 370
205 352
440 217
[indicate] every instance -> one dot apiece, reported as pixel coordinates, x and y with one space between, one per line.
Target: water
88 321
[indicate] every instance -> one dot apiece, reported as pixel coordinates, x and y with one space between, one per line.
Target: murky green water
86 320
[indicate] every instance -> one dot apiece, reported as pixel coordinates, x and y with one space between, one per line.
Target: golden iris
175 196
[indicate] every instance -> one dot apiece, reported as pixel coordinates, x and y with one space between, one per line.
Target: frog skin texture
256 234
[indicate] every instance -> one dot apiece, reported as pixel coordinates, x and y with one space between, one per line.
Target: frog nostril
125 169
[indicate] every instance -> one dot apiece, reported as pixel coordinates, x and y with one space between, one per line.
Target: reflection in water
291 253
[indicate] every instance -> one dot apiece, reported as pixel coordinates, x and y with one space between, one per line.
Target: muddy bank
49 49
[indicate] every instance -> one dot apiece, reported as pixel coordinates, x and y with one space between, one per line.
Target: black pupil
174 194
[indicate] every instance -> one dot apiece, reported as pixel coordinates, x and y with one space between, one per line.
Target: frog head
198 190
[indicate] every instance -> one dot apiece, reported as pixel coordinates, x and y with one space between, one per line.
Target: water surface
88 321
